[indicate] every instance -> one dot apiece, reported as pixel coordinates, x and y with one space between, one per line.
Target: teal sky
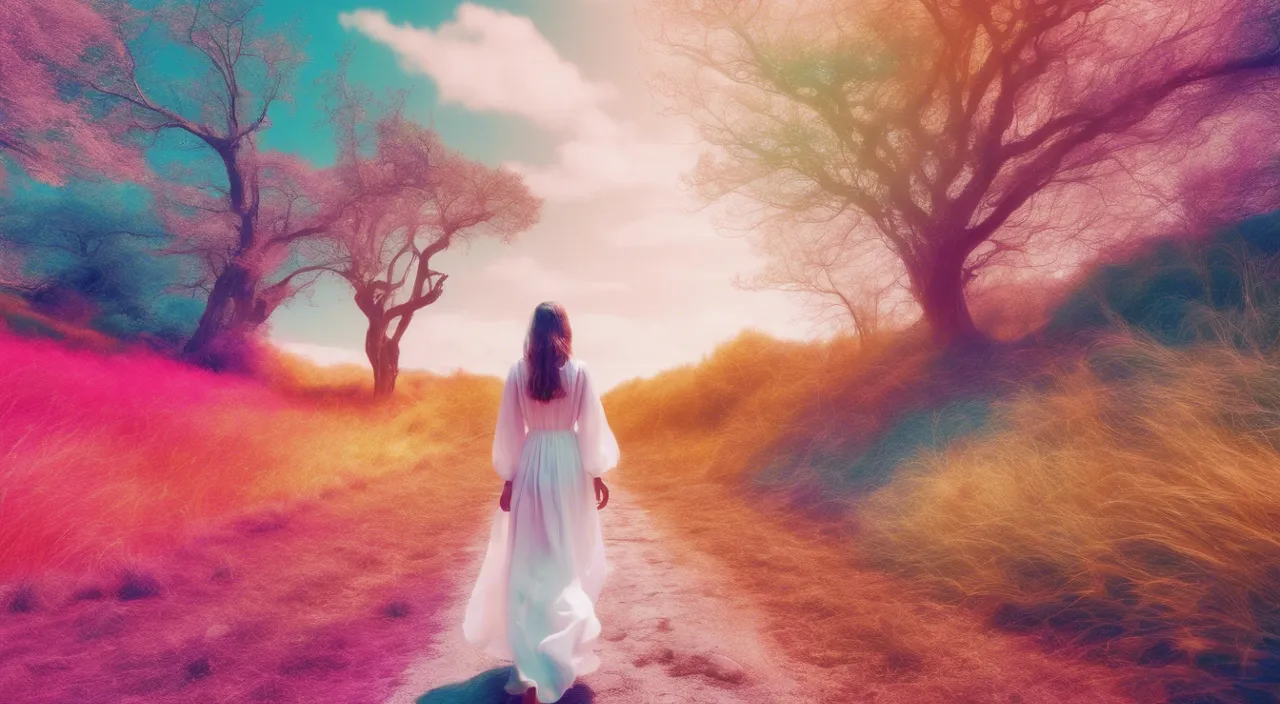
586 33
646 279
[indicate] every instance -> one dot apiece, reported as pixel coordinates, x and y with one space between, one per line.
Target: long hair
547 348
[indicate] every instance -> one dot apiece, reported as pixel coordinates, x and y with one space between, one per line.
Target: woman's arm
509 435
596 443
504 501
602 493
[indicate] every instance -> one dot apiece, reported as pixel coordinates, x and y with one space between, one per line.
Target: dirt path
318 602
672 632
359 597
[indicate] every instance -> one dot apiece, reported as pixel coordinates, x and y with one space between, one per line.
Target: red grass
159 539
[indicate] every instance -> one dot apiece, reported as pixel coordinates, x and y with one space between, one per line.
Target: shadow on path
486 688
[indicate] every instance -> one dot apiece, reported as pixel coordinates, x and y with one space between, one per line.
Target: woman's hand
504 502
602 493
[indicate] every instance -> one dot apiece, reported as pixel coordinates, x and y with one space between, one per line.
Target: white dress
534 601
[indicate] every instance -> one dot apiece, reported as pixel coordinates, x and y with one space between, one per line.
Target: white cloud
490 60
595 163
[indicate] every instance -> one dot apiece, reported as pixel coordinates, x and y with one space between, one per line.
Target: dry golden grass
1132 511
694 442
1136 503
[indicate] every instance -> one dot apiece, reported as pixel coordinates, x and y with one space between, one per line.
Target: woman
534 601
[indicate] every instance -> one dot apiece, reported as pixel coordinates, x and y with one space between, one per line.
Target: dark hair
548 347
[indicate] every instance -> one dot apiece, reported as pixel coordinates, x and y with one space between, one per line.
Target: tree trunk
234 307
230 305
386 369
939 289
384 357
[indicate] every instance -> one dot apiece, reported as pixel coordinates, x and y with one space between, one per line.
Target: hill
1109 485
110 452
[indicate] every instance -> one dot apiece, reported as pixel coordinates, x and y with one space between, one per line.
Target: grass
332 604
1133 507
1114 493
816 424
790 541
172 535
105 457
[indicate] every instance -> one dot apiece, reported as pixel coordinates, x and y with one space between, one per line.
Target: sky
558 91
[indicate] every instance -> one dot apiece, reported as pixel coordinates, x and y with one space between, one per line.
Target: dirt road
358 597
672 632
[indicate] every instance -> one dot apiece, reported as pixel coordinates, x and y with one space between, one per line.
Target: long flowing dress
534 600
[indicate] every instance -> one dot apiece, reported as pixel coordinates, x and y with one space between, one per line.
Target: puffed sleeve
508 437
596 443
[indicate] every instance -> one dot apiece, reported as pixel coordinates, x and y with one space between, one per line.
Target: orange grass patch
694 441
1134 508
1130 514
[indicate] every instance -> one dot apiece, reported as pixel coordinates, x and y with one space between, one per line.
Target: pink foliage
46 125
202 225
410 200
1231 183
416 194
484 201
298 201
294 192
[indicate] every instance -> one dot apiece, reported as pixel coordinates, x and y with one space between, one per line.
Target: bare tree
853 286
950 131
407 202
245 225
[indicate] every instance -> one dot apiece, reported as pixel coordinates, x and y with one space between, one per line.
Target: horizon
606 382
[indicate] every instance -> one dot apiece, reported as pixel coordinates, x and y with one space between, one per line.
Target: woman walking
534 600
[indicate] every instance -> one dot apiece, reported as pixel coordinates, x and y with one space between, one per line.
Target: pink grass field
169 534
108 457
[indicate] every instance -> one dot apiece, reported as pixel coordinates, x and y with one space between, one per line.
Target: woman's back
559 413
